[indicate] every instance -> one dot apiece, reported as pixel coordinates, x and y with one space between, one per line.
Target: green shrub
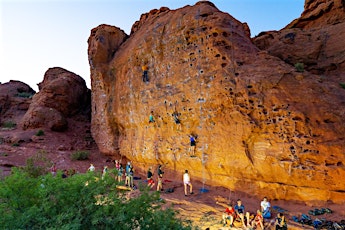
40 132
9 124
37 165
342 84
25 95
16 144
80 155
299 67
48 202
33 170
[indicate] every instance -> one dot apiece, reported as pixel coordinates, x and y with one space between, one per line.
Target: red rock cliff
261 126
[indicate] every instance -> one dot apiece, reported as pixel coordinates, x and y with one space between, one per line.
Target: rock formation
316 39
15 98
261 126
62 94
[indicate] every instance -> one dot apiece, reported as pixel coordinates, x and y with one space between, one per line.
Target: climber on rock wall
145 75
192 145
151 118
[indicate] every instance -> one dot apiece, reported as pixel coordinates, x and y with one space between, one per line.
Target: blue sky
39 34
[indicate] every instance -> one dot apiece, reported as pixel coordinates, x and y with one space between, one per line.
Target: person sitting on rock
258 222
150 181
228 216
265 208
239 209
280 222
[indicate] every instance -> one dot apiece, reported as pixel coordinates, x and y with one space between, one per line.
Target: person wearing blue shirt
239 209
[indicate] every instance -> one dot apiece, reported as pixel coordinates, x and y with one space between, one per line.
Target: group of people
192 137
237 213
66 173
128 172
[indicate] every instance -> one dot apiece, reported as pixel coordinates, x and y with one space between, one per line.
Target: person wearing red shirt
258 221
228 216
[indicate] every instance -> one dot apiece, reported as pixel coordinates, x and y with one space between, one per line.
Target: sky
36 35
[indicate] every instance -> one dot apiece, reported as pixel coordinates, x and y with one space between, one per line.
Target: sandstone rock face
316 39
15 98
261 126
62 94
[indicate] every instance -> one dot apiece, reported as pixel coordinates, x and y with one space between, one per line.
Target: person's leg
185 189
242 219
231 220
247 219
261 224
224 218
146 76
131 181
190 188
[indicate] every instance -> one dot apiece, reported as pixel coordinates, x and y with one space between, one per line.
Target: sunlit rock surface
261 126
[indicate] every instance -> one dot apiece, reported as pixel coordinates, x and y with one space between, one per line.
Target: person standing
150 181
160 178
129 175
120 173
53 169
104 172
186 182
91 168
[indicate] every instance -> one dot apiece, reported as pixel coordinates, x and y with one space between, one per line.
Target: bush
16 144
40 133
342 84
25 95
37 165
299 67
50 202
9 124
80 155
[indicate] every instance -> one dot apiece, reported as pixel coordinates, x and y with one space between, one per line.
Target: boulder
15 98
261 126
62 94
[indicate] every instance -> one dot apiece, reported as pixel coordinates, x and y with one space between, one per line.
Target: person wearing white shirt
265 208
186 182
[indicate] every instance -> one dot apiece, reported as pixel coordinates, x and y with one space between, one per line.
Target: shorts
150 182
186 182
192 143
